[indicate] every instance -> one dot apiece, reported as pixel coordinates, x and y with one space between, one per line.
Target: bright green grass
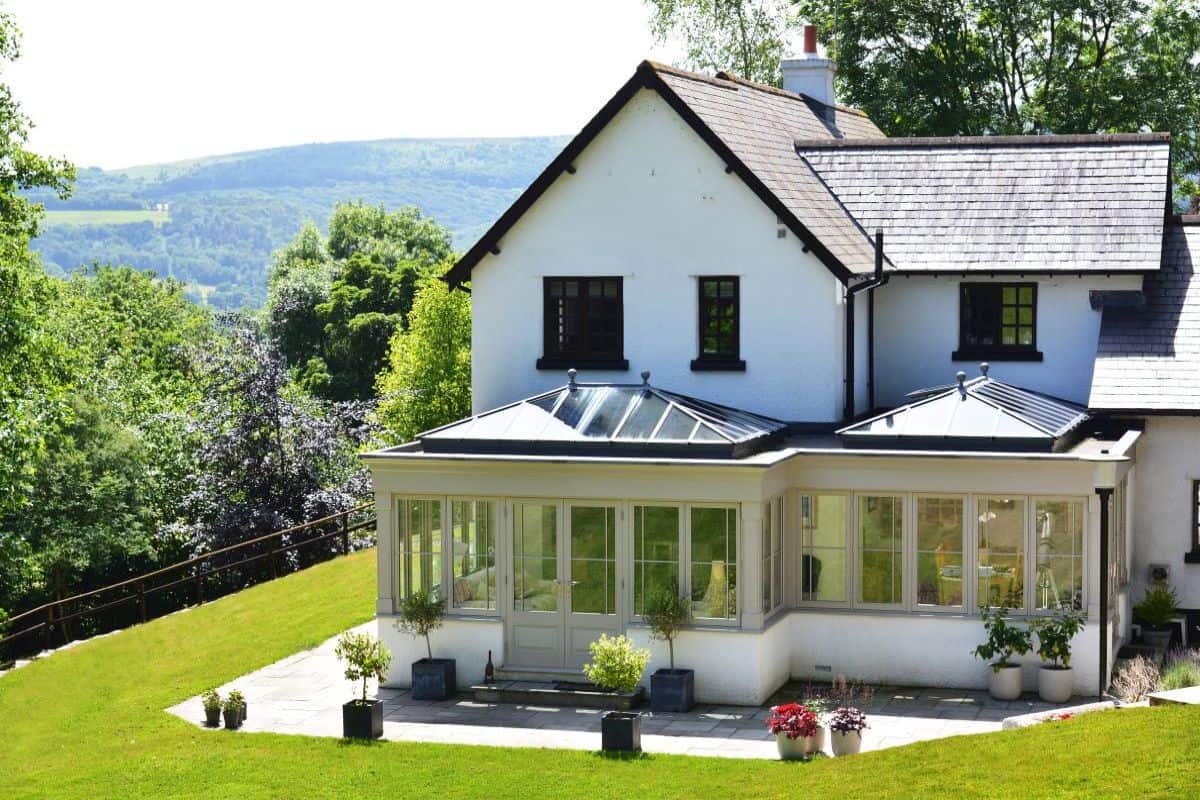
89 723
105 217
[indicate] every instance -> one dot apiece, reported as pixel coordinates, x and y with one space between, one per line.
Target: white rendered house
716 346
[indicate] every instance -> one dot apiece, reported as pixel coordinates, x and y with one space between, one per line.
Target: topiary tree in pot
432 678
1003 641
1056 679
667 613
1155 612
365 658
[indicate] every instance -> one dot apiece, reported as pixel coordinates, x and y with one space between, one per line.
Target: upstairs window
583 322
719 325
998 321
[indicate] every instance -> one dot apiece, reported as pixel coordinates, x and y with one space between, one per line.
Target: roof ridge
679 72
766 87
1065 139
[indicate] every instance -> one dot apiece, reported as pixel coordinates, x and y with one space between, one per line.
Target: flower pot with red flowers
795 728
845 729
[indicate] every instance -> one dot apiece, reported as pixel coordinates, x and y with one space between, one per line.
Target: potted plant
819 705
432 678
1056 679
232 709
1156 611
845 728
666 613
617 667
365 657
1003 640
794 727
212 708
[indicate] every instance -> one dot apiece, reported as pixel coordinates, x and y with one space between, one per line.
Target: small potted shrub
212 708
1056 679
1003 640
845 728
1156 611
617 666
795 727
365 658
818 703
232 709
666 613
432 678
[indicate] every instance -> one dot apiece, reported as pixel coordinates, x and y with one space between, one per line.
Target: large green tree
746 37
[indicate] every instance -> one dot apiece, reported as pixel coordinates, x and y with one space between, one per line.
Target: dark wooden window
583 321
998 321
719 324
1196 515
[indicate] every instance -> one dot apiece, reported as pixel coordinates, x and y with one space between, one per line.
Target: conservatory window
772 555
1000 548
940 540
712 554
473 554
656 537
1058 538
823 558
420 550
881 549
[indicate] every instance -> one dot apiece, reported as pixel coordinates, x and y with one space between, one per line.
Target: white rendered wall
465 640
916 331
1161 490
651 202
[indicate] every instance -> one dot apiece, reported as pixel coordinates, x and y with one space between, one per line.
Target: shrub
211 700
847 720
666 613
235 701
1054 637
3 622
1182 670
792 720
1135 679
1003 639
616 665
420 613
365 657
1157 608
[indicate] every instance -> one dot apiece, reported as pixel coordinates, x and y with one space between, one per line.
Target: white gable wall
651 202
916 331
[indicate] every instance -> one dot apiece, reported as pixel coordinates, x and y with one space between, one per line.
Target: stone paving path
304 693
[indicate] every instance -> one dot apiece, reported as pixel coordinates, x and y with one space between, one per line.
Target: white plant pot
816 742
846 743
791 749
1056 685
1005 683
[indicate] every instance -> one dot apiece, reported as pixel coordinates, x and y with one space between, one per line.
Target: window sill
989 354
1192 556
619 364
714 365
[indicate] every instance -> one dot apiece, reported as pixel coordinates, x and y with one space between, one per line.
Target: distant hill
213 222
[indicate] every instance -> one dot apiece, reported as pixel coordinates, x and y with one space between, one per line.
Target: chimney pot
810 39
807 72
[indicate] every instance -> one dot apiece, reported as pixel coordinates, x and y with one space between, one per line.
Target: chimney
808 73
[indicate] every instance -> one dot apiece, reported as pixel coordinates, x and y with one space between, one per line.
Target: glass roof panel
706 434
608 415
644 418
677 426
578 403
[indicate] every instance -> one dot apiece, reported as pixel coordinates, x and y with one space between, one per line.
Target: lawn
105 217
89 723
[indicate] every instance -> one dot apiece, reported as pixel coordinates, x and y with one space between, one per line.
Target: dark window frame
727 357
968 325
586 355
1195 537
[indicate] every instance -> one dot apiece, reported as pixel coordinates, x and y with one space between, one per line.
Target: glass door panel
593 560
535 557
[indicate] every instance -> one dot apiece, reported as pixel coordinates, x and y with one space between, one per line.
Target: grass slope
89 723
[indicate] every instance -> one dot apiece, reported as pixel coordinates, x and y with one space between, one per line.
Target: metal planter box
361 721
433 679
673 690
621 732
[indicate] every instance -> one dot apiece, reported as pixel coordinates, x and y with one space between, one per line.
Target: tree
946 67
746 37
427 380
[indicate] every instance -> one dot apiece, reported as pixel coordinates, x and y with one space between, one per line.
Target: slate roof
1149 359
1013 203
979 413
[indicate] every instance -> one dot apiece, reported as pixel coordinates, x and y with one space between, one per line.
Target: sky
126 82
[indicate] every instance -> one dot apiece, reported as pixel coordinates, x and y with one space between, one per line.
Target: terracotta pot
1056 685
846 743
1005 683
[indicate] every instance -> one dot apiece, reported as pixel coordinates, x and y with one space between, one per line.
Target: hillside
213 222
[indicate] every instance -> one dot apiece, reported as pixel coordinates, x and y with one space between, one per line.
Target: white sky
124 82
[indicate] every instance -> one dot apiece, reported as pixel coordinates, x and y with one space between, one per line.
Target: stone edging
1026 720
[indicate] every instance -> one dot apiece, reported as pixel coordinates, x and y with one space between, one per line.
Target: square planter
673 690
362 721
621 732
433 679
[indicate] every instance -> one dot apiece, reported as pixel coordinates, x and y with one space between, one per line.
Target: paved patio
304 693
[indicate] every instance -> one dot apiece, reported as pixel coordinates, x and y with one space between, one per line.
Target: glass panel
612 408
1059 580
940 551
474 557
535 557
645 417
767 538
420 550
577 403
706 434
713 560
881 556
823 548
593 559
677 425
655 552
1001 549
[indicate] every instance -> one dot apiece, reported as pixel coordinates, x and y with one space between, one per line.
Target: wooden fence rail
50 623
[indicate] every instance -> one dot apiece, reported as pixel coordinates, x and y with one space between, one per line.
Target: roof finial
961 377
571 373
983 368
645 377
